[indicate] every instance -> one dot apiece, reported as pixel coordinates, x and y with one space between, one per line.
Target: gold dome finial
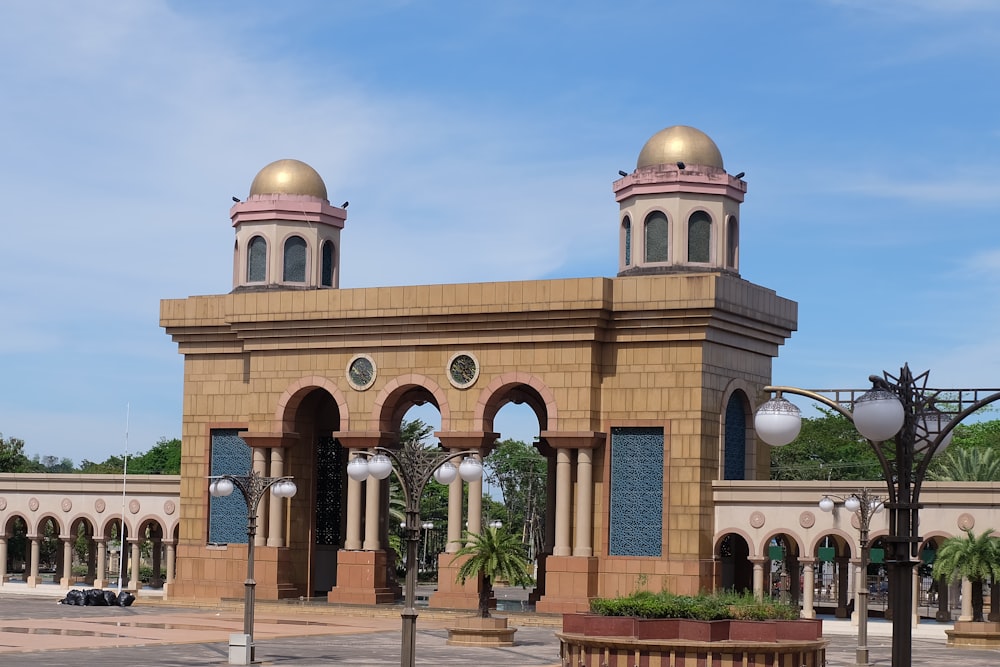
680 143
288 177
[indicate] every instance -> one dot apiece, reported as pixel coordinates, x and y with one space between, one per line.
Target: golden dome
288 177
680 143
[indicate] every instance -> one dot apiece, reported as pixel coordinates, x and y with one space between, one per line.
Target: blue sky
478 142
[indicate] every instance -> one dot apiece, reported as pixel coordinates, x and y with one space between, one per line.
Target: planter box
803 629
655 628
753 631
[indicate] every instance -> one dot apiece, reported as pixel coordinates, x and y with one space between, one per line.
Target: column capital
573 439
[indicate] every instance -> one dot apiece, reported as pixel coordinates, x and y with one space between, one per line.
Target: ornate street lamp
253 486
414 466
906 423
865 505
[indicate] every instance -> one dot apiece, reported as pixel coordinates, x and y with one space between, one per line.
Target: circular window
463 370
361 372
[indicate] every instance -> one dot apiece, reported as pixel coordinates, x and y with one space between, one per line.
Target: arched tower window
699 237
732 242
326 274
294 270
656 237
257 260
735 450
627 230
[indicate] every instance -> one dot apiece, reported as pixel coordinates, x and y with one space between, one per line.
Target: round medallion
757 519
33 504
361 372
66 504
966 521
463 370
856 521
100 505
807 519
133 507
169 507
3 504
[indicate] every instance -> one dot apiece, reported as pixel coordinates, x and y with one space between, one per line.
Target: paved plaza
156 634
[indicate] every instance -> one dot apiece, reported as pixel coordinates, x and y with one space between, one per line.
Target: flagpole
121 532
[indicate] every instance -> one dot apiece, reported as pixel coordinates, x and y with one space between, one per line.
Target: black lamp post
866 505
414 467
253 486
906 423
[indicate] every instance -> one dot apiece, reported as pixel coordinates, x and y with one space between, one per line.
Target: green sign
776 553
826 554
876 556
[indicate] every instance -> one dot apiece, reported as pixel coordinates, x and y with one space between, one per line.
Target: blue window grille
636 516
227 515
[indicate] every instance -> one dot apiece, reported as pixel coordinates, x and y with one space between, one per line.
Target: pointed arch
498 393
284 414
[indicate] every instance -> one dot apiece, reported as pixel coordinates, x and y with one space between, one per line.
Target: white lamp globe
826 504
446 473
878 415
877 506
379 466
932 422
470 469
223 487
852 504
778 421
357 469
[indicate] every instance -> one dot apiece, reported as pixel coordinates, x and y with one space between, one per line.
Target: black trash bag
125 599
94 597
110 599
74 597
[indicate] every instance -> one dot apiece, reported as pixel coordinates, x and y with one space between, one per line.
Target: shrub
644 604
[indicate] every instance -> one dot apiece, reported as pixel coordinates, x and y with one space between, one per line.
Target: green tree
828 447
163 459
979 435
494 555
12 456
520 473
974 558
968 464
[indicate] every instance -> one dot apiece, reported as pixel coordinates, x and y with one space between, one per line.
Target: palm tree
977 464
974 558
494 555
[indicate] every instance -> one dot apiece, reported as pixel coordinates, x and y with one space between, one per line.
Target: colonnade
270 462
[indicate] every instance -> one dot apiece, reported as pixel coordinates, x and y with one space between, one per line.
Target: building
644 386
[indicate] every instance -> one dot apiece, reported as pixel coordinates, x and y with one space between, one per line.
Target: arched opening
257 260
16 532
832 576
784 576
700 238
735 569
294 265
732 243
84 566
656 238
735 434
627 240
327 264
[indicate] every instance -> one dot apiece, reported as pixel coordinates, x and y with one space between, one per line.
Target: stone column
808 587
260 467
134 583
966 601
67 562
101 576
915 606
352 540
373 497
3 560
584 503
171 561
276 516
36 547
454 515
758 576
564 485
476 506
